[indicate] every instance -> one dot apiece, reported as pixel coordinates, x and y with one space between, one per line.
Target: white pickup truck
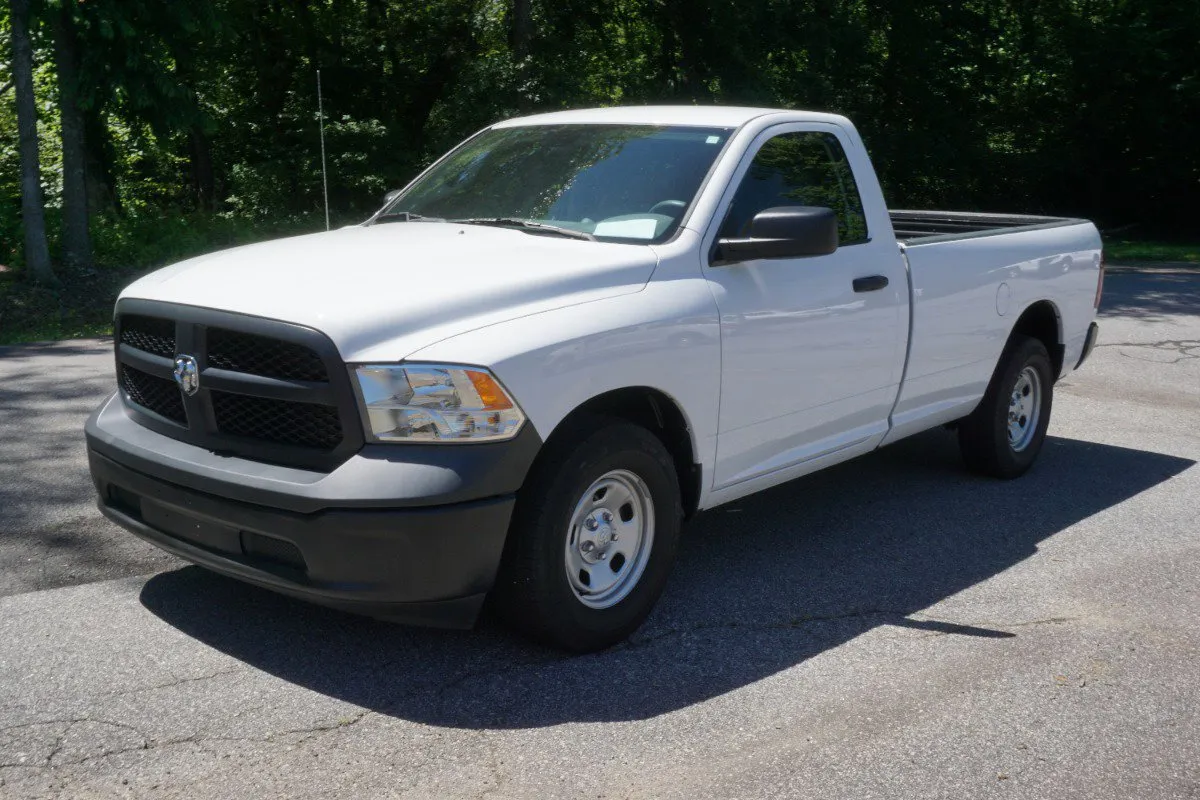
565 337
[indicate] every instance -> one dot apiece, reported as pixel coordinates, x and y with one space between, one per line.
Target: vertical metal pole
324 174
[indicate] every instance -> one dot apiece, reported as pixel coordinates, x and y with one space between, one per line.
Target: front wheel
593 537
1004 435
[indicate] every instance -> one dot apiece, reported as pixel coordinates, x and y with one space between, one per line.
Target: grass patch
81 306
149 242
1118 250
124 247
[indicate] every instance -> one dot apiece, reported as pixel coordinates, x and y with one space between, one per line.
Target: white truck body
779 367
773 367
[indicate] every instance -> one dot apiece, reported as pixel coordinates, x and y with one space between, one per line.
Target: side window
803 168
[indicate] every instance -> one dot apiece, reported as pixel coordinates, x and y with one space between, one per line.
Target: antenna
324 174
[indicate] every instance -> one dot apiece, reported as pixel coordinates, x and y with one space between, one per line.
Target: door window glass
803 168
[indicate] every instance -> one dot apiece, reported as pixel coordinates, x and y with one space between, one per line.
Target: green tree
206 110
37 254
77 242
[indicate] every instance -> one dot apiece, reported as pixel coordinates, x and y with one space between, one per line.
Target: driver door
811 358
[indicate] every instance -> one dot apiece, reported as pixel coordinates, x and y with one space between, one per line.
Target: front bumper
387 534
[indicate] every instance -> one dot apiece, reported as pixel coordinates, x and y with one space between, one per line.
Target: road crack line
1177 347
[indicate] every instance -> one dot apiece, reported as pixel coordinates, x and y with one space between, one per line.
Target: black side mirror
390 196
783 232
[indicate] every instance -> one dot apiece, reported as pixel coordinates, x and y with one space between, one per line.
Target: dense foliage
200 117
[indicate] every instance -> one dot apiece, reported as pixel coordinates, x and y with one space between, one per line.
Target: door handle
872 283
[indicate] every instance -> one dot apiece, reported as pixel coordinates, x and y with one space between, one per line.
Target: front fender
665 337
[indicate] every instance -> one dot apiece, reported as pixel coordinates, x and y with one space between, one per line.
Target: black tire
983 437
533 593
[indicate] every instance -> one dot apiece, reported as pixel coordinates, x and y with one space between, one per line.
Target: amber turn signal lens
493 397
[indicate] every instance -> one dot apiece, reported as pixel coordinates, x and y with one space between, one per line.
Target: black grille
260 355
272 552
307 417
151 334
281 421
151 392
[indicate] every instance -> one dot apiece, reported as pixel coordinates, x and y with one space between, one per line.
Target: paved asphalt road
891 628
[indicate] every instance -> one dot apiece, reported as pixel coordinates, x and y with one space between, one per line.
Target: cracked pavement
889 628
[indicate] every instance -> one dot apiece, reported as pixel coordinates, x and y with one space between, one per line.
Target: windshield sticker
627 228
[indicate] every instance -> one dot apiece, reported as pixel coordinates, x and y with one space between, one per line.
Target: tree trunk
377 30
102 195
200 163
203 179
33 212
460 46
522 28
77 241
519 35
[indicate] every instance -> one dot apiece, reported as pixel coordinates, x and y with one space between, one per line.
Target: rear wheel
1004 435
593 536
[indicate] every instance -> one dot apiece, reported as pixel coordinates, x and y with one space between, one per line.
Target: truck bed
922 227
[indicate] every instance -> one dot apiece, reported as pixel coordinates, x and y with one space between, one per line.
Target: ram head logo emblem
187 374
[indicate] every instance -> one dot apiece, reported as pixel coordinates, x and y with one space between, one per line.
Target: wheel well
1041 322
659 414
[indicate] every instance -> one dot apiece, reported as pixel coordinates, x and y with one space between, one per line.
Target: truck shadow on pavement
759 587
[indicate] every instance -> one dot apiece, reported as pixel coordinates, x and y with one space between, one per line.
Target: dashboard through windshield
630 183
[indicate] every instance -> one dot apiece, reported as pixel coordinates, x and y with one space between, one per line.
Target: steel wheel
609 539
1024 409
594 532
1004 434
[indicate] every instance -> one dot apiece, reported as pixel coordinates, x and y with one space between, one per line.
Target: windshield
615 182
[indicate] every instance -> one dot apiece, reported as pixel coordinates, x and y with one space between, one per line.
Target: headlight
423 403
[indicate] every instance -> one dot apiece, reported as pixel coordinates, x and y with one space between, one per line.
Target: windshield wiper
528 224
405 216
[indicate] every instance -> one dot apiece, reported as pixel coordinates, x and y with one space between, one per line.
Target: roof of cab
706 116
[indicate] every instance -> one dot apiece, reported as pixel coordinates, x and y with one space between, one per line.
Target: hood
382 292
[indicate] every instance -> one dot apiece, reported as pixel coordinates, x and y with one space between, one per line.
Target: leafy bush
1118 250
149 241
125 247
